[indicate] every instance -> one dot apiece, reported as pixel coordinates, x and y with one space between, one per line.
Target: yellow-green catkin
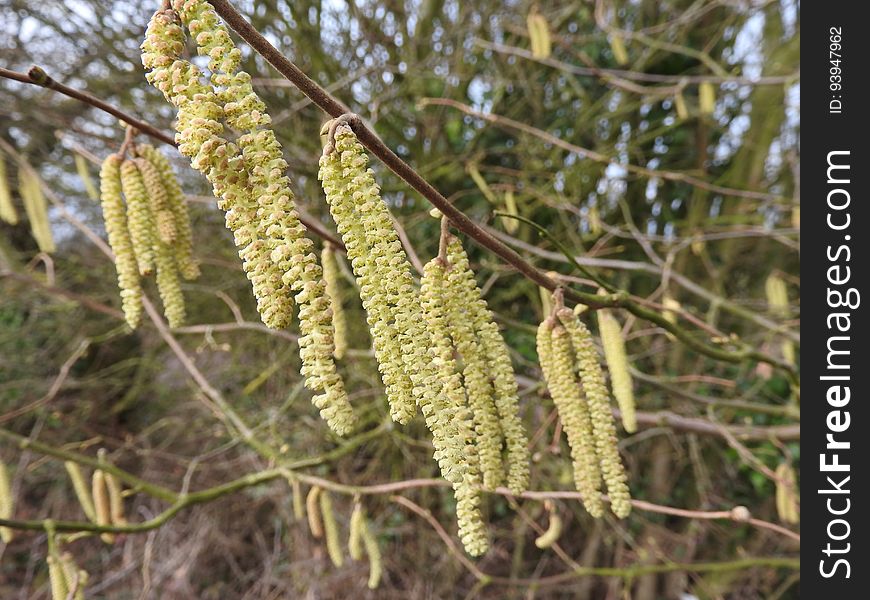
376 562
187 263
116 500
140 222
102 504
786 494
617 362
551 535
777 295
6 502
85 176
76 579
330 530
449 419
83 494
462 284
379 267
312 509
706 98
556 358
7 208
298 502
36 209
164 219
598 401
617 47
57 578
354 539
115 219
332 277
539 35
254 190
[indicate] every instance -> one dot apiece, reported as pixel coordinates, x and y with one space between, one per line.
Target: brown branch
37 76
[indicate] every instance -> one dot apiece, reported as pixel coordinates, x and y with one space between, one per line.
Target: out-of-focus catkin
786 494
6 502
598 401
551 535
36 208
76 579
85 176
354 540
332 277
140 221
330 530
164 219
7 208
80 487
312 509
115 219
617 362
102 504
376 562
116 500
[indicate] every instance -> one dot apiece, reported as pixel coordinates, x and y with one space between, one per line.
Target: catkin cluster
248 176
148 229
573 374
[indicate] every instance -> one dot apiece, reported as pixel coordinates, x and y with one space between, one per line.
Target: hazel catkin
617 362
102 504
330 530
35 206
164 219
7 208
332 278
83 494
6 502
601 417
115 219
312 509
140 221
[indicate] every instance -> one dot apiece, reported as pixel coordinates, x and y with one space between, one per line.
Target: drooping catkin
7 208
83 494
85 175
786 494
102 504
354 539
298 502
312 509
617 47
617 362
598 401
57 578
777 295
7 504
539 35
498 364
140 222
556 358
450 421
551 535
164 219
76 579
115 219
116 500
706 98
351 192
187 264
332 277
169 286
376 562
37 211
330 529
254 191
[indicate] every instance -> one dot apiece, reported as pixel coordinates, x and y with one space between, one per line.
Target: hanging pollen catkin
350 189
376 563
539 34
354 539
330 529
115 219
786 494
556 358
140 222
332 277
312 509
462 283
116 500
187 264
451 421
7 209
30 189
598 401
164 220
102 504
554 530
617 361
57 578
6 503
254 191
83 494
75 579
85 176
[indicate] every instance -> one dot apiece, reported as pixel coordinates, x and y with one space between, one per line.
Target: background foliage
646 232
